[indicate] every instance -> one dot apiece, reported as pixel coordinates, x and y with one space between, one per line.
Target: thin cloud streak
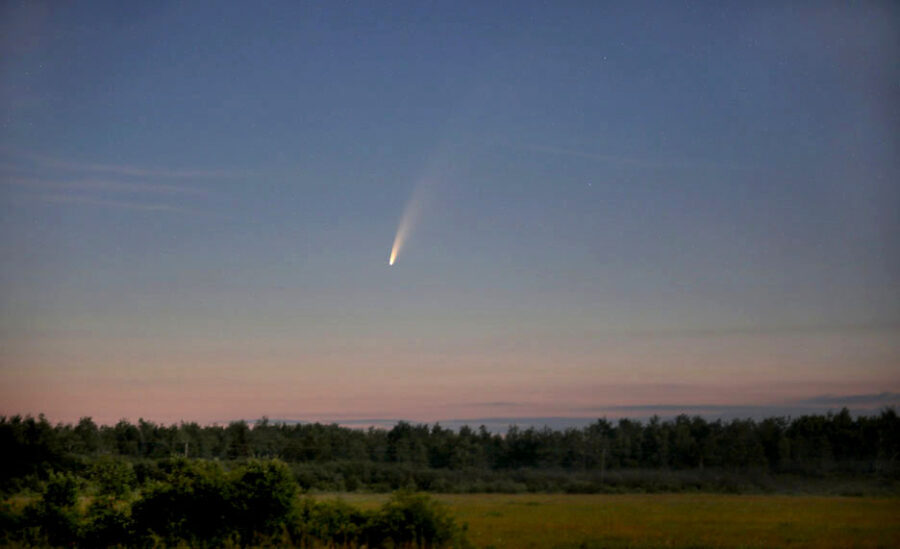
41 161
501 424
885 397
65 182
122 204
135 171
632 161
765 330
104 185
816 404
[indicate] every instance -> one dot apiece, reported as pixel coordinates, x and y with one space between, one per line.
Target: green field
669 520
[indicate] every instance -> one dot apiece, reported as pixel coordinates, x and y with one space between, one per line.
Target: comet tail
409 219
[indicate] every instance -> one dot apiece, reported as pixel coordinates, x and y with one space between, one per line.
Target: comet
442 165
409 219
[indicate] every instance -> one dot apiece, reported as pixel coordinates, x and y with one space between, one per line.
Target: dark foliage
199 504
432 458
261 498
190 503
819 441
153 485
106 524
411 520
54 517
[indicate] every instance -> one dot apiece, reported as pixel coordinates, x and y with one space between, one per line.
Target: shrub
114 477
414 520
10 524
54 516
198 503
106 525
261 498
190 504
61 491
331 522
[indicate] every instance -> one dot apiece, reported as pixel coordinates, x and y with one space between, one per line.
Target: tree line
805 444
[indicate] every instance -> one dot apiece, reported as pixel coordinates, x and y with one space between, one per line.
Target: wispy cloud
109 185
813 405
636 161
872 399
104 185
135 171
673 407
859 404
749 330
122 204
42 161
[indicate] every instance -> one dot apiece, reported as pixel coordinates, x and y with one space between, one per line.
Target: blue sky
200 199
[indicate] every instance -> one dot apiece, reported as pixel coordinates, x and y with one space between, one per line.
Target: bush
414 520
61 491
330 522
190 505
106 525
406 520
10 524
261 498
54 517
198 504
114 477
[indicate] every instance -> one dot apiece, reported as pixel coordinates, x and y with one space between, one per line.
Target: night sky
608 209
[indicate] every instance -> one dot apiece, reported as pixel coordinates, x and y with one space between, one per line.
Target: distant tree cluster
807 444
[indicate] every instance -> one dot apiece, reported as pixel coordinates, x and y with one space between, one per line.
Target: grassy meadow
667 520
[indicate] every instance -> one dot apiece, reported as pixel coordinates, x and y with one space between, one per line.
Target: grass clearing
668 520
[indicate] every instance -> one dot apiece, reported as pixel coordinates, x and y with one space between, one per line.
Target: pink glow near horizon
407 385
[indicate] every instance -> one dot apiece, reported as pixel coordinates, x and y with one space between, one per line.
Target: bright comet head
394 251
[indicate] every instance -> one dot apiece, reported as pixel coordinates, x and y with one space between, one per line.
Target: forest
155 485
661 455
